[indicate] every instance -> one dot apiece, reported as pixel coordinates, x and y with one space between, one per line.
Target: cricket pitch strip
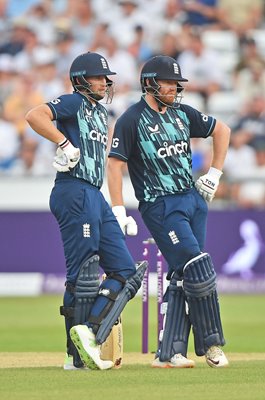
39 360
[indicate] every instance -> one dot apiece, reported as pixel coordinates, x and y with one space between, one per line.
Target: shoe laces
214 351
178 356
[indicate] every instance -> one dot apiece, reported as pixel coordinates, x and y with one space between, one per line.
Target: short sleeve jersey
157 149
85 125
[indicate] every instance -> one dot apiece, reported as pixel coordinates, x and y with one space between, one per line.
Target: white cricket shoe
215 357
89 351
177 361
69 364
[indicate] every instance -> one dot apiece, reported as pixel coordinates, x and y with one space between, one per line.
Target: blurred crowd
220 46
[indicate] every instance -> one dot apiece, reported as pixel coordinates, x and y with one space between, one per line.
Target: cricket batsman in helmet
90 232
153 137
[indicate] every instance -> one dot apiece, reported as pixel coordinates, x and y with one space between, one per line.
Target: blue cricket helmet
162 67
90 64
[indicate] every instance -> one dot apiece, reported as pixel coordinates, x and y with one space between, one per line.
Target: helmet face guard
90 65
162 68
81 84
153 88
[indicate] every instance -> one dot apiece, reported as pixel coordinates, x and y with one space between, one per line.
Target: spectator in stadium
16 38
249 53
8 75
9 144
241 16
202 68
49 83
125 80
23 97
250 81
4 20
171 45
66 48
34 158
249 126
129 16
139 48
201 14
248 190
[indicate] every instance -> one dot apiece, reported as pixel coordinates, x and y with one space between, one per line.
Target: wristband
63 143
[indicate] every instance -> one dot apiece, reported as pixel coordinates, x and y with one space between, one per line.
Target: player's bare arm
115 168
40 119
207 184
221 138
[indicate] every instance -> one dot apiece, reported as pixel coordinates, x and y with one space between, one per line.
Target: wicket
145 292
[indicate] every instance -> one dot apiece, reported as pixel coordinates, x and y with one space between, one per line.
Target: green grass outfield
32 352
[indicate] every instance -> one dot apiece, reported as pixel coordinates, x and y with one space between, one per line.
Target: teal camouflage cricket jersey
157 147
85 126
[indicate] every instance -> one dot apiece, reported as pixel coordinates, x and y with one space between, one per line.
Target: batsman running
90 232
153 138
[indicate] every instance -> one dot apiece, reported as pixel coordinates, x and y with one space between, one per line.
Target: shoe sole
70 367
85 357
172 366
73 368
213 365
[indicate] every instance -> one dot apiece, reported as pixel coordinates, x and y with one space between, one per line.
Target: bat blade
112 348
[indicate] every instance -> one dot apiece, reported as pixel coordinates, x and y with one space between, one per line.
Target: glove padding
66 157
127 224
207 184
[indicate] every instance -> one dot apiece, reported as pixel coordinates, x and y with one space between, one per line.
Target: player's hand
67 156
208 184
127 224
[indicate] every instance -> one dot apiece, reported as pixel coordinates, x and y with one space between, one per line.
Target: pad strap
110 295
130 289
67 312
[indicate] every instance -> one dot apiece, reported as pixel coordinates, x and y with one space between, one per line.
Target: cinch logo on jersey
99 137
172 149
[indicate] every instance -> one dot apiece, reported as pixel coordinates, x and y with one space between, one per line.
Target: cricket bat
112 348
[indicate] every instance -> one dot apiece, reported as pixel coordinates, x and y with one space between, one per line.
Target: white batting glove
127 224
208 184
67 156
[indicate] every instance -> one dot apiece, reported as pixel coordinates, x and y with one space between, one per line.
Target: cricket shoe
69 364
177 361
215 357
89 351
